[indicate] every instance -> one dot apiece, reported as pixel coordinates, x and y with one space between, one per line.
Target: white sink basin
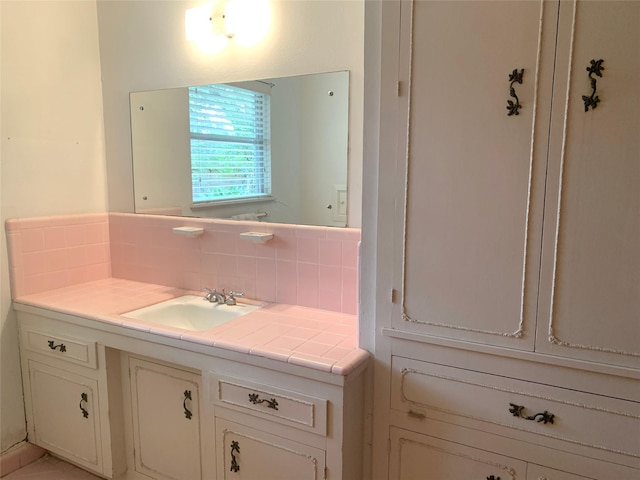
190 312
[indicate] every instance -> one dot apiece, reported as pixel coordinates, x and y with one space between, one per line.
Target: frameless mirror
296 152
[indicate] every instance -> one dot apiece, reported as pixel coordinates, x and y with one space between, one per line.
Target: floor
50 468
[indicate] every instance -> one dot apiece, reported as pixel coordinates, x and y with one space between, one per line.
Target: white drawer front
425 389
82 352
291 408
414 456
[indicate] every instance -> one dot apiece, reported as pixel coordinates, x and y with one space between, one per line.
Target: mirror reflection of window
303 141
230 143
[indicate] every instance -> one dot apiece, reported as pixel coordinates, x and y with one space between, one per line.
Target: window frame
234 101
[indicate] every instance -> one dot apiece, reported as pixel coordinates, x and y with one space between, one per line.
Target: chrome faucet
214 296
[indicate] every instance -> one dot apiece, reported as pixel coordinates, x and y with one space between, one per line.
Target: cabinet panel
82 352
591 268
475 175
166 430
416 457
66 414
536 472
290 408
248 454
421 388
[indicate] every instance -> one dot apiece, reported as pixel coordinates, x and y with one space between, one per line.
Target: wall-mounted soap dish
189 231
256 237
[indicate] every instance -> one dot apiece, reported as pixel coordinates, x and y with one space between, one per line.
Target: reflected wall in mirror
308 153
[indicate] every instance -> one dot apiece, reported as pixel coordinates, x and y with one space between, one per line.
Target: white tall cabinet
508 306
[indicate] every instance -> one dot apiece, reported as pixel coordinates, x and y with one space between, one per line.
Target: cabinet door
475 172
165 413
247 454
536 472
66 414
417 457
590 284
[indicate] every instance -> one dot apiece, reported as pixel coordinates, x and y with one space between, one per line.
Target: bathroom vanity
128 399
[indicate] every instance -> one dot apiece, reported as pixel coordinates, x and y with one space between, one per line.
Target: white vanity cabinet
165 419
257 431
274 425
132 405
65 385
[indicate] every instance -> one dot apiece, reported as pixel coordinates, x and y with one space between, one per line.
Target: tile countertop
309 337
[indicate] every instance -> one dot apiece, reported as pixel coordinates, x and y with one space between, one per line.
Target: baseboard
19 456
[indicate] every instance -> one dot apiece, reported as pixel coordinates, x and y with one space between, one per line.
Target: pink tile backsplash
303 265
54 252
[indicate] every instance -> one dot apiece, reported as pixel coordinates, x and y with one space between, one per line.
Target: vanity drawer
283 406
82 352
423 389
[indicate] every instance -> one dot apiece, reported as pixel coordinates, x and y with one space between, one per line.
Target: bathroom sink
190 312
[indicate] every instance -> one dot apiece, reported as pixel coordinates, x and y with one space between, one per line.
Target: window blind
230 143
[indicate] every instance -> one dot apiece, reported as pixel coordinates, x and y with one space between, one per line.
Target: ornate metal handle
231 299
84 398
518 411
187 412
235 447
418 415
594 69
514 77
491 477
256 400
62 346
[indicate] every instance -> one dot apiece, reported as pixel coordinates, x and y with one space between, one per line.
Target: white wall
143 47
52 149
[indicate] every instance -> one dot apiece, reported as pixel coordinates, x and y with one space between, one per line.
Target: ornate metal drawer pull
84 398
594 69
235 447
256 400
514 77
187 412
61 346
518 411
418 415
491 477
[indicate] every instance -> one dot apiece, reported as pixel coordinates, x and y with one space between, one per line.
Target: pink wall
302 265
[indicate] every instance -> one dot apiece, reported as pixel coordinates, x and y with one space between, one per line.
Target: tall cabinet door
480 83
590 295
66 414
165 414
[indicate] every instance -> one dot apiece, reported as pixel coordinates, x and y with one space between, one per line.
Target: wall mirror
302 144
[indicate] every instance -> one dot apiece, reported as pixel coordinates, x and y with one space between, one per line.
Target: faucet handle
231 300
211 295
